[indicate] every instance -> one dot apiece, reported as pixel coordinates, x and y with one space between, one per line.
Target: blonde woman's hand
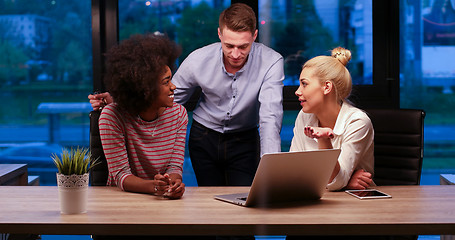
360 180
318 132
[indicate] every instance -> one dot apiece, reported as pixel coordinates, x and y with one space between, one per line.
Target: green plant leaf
74 161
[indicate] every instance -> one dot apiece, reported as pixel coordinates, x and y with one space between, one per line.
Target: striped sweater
136 147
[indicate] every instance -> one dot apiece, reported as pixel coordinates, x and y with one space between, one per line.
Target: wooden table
13 174
414 210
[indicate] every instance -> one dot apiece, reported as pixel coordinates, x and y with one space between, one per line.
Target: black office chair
398 149
398 145
99 173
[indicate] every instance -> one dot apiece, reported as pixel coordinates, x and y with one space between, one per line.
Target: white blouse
354 135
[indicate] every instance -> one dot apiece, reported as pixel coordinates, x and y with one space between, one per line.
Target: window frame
105 34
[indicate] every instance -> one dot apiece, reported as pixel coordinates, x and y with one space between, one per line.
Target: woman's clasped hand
167 186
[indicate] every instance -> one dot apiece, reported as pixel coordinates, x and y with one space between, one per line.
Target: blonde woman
328 120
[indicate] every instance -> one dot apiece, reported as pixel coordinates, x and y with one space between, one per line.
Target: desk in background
412 210
447 179
13 174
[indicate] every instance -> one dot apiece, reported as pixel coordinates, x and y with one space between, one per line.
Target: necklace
143 123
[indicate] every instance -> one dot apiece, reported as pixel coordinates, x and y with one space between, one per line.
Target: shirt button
233 96
228 113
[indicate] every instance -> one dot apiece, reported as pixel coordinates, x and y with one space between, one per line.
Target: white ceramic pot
72 193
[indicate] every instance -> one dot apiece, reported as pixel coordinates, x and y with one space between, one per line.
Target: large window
302 29
427 77
299 30
45 58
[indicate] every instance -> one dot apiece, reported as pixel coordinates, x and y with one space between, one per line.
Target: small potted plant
73 178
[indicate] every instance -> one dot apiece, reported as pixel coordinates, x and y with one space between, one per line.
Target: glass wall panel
427 73
192 24
302 29
45 57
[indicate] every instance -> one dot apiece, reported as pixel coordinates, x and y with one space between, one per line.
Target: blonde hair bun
341 54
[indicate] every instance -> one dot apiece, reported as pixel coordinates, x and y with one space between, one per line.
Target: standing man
242 90
242 84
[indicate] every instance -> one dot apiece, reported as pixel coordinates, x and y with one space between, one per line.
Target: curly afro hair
134 68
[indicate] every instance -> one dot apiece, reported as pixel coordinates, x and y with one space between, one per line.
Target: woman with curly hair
327 120
143 131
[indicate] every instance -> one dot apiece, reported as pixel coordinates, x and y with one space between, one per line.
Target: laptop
288 176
